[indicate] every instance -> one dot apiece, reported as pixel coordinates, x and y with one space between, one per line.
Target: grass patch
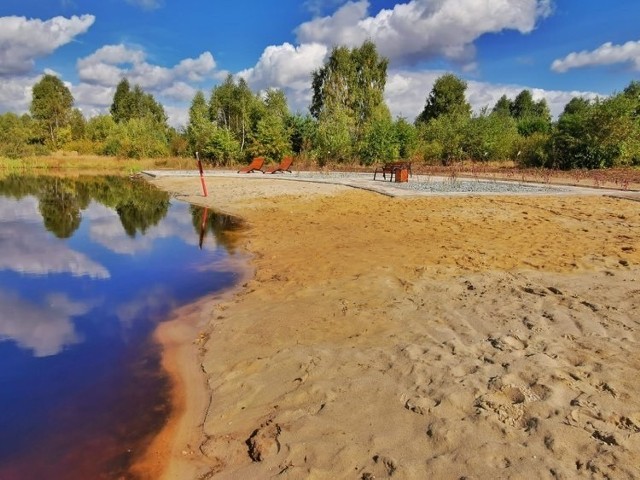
91 164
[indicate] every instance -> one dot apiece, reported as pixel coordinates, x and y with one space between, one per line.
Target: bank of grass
90 164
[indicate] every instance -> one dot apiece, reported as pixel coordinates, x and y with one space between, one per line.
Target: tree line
348 122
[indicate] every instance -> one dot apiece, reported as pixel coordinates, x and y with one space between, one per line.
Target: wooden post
204 185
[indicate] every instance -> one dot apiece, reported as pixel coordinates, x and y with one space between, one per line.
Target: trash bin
402 175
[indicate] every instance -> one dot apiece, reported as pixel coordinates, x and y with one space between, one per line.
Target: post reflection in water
88 267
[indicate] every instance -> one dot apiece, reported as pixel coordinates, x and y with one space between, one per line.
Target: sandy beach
475 337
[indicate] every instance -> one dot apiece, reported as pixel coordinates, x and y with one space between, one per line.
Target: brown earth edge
486 337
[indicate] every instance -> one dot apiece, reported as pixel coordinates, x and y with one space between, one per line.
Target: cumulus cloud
424 29
44 329
605 54
100 72
411 32
407 91
15 93
179 91
289 68
24 40
92 97
109 64
286 66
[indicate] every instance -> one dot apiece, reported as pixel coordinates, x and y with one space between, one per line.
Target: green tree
234 107
137 138
523 105
199 128
302 131
443 137
14 136
577 105
602 134
333 138
380 143
222 148
144 105
531 116
351 83
503 106
99 128
51 106
121 109
135 103
276 104
271 137
447 97
407 138
78 124
533 150
632 92
490 137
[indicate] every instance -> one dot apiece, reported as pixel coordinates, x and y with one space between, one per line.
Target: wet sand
432 337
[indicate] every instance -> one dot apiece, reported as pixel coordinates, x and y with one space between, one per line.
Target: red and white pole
204 185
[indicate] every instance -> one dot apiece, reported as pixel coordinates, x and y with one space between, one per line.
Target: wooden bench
394 169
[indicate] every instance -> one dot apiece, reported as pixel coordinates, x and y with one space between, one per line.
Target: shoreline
174 452
499 340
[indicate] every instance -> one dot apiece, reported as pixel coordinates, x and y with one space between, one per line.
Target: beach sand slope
469 337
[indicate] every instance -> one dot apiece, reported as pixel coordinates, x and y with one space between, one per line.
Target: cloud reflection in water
44 329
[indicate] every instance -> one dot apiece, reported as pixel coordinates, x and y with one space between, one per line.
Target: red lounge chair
255 165
285 166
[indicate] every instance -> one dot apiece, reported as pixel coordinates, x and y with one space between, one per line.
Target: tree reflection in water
139 205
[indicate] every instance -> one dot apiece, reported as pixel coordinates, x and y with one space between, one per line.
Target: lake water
88 267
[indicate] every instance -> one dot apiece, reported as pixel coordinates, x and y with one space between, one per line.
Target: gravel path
417 185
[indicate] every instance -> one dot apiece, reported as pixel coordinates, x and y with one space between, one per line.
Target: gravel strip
444 186
476 186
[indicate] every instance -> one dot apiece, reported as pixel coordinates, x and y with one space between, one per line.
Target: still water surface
88 267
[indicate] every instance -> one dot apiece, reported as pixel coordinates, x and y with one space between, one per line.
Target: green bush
533 151
380 143
137 138
490 137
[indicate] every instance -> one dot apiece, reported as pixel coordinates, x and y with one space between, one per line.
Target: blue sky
556 48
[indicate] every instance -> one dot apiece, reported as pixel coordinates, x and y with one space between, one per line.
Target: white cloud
15 93
101 71
289 68
44 329
89 96
178 116
179 91
407 91
286 66
196 69
344 27
109 64
606 54
424 29
106 66
24 40
410 32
